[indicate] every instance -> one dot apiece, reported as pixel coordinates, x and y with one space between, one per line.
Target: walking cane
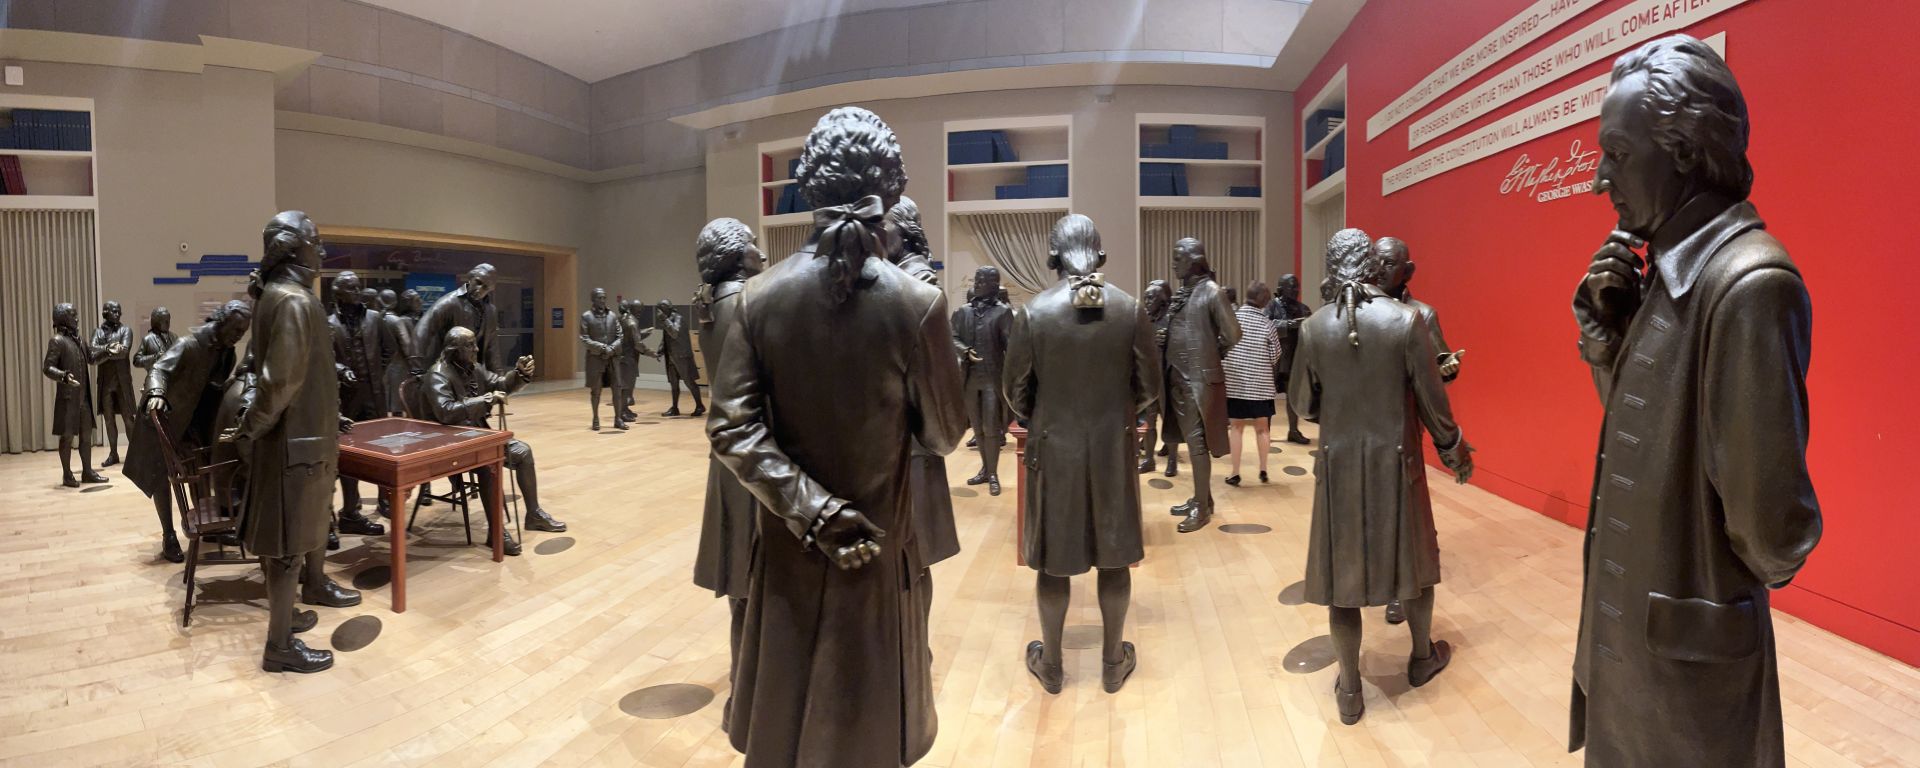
513 478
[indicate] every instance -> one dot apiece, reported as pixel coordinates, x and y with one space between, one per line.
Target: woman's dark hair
1258 294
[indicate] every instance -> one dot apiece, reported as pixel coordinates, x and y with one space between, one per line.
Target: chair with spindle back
201 493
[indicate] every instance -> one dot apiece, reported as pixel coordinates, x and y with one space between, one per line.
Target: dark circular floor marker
1311 656
1295 471
1245 528
1314 453
1083 636
965 493
1294 594
1160 483
1273 449
373 578
356 633
554 545
662 702
94 488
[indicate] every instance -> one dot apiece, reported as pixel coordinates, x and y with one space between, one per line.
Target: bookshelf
54 179
1211 154
1003 165
781 233
1323 191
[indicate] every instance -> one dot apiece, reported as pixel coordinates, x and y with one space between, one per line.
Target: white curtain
1017 244
1317 224
781 241
46 257
1232 240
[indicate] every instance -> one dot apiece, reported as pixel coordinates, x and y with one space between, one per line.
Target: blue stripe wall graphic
209 265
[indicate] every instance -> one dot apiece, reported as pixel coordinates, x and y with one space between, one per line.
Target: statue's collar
1684 245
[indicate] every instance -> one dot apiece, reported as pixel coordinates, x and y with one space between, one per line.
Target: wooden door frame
554 348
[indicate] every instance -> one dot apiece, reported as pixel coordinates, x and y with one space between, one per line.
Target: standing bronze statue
67 364
469 306
676 350
1200 328
404 364
1365 372
935 534
360 359
1396 271
632 346
463 393
834 665
726 255
184 387
1156 302
159 339
1287 313
289 436
1701 499
114 375
603 335
1082 368
980 331
915 256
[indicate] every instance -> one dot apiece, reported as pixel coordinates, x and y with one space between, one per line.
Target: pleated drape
1232 240
46 257
783 240
1017 244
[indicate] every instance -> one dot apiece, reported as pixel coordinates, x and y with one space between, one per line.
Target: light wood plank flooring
526 663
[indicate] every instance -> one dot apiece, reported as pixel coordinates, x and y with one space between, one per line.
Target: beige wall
1104 173
180 158
642 241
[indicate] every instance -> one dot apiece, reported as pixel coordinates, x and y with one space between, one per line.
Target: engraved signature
1529 177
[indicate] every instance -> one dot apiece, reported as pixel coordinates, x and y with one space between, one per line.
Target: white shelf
1327 187
972 167
782 219
1208 202
997 206
1189 161
1319 151
1164 119
1012 124
778 183
49 203
1333 95
53 153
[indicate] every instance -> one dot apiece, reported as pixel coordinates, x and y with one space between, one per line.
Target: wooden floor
527 663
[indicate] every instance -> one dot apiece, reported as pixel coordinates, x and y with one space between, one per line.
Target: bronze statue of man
1396 271
359 357
184 387
1701 500
114 375
935 534
726 255
1155 302
67 363
159 339
1200 328
980 329
403 363
469 306
1287 313
603 334
1082 368
676 350
289 436
1364 371
632 346
463 393
834 664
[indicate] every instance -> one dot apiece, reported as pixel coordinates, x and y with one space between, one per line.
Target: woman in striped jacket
1249 368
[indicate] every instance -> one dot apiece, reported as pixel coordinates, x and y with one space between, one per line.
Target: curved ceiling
597 39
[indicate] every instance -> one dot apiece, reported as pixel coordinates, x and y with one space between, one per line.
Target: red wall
1829 88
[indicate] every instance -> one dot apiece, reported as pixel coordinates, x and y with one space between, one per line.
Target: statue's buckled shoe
1051 676
296 657
1421 671
1113 675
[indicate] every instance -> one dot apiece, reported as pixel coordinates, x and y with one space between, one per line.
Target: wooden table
1019 435
398 454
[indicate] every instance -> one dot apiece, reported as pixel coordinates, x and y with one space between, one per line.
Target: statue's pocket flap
311 450
1699 630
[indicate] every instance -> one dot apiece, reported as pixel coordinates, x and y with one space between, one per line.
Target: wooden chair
201 493
464 488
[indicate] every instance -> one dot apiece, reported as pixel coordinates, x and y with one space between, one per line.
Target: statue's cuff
827 512
1457 455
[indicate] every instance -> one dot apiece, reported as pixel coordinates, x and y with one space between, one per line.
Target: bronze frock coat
1287 314
1200 329
676 347
816 406
933 525
984 330
456 309
632 341
727 524
404 363
1082 378
72 406
152 346
1701 502
191 377
1372 538
359 344
603 334
113 373
290 436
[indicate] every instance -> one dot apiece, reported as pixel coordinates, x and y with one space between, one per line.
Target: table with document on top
398 454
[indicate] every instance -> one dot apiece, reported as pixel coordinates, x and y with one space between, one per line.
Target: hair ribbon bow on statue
1089 291
848 235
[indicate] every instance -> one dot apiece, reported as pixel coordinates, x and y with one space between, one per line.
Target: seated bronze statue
462 393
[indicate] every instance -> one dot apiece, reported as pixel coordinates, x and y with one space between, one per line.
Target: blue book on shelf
46 130
86 132
1336 155
793 168
1183 135
1047 180
968 147
1318 126
1002 148
1243 191
789 199
1011 192
1209 150
8 138
1163 179
1157 150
